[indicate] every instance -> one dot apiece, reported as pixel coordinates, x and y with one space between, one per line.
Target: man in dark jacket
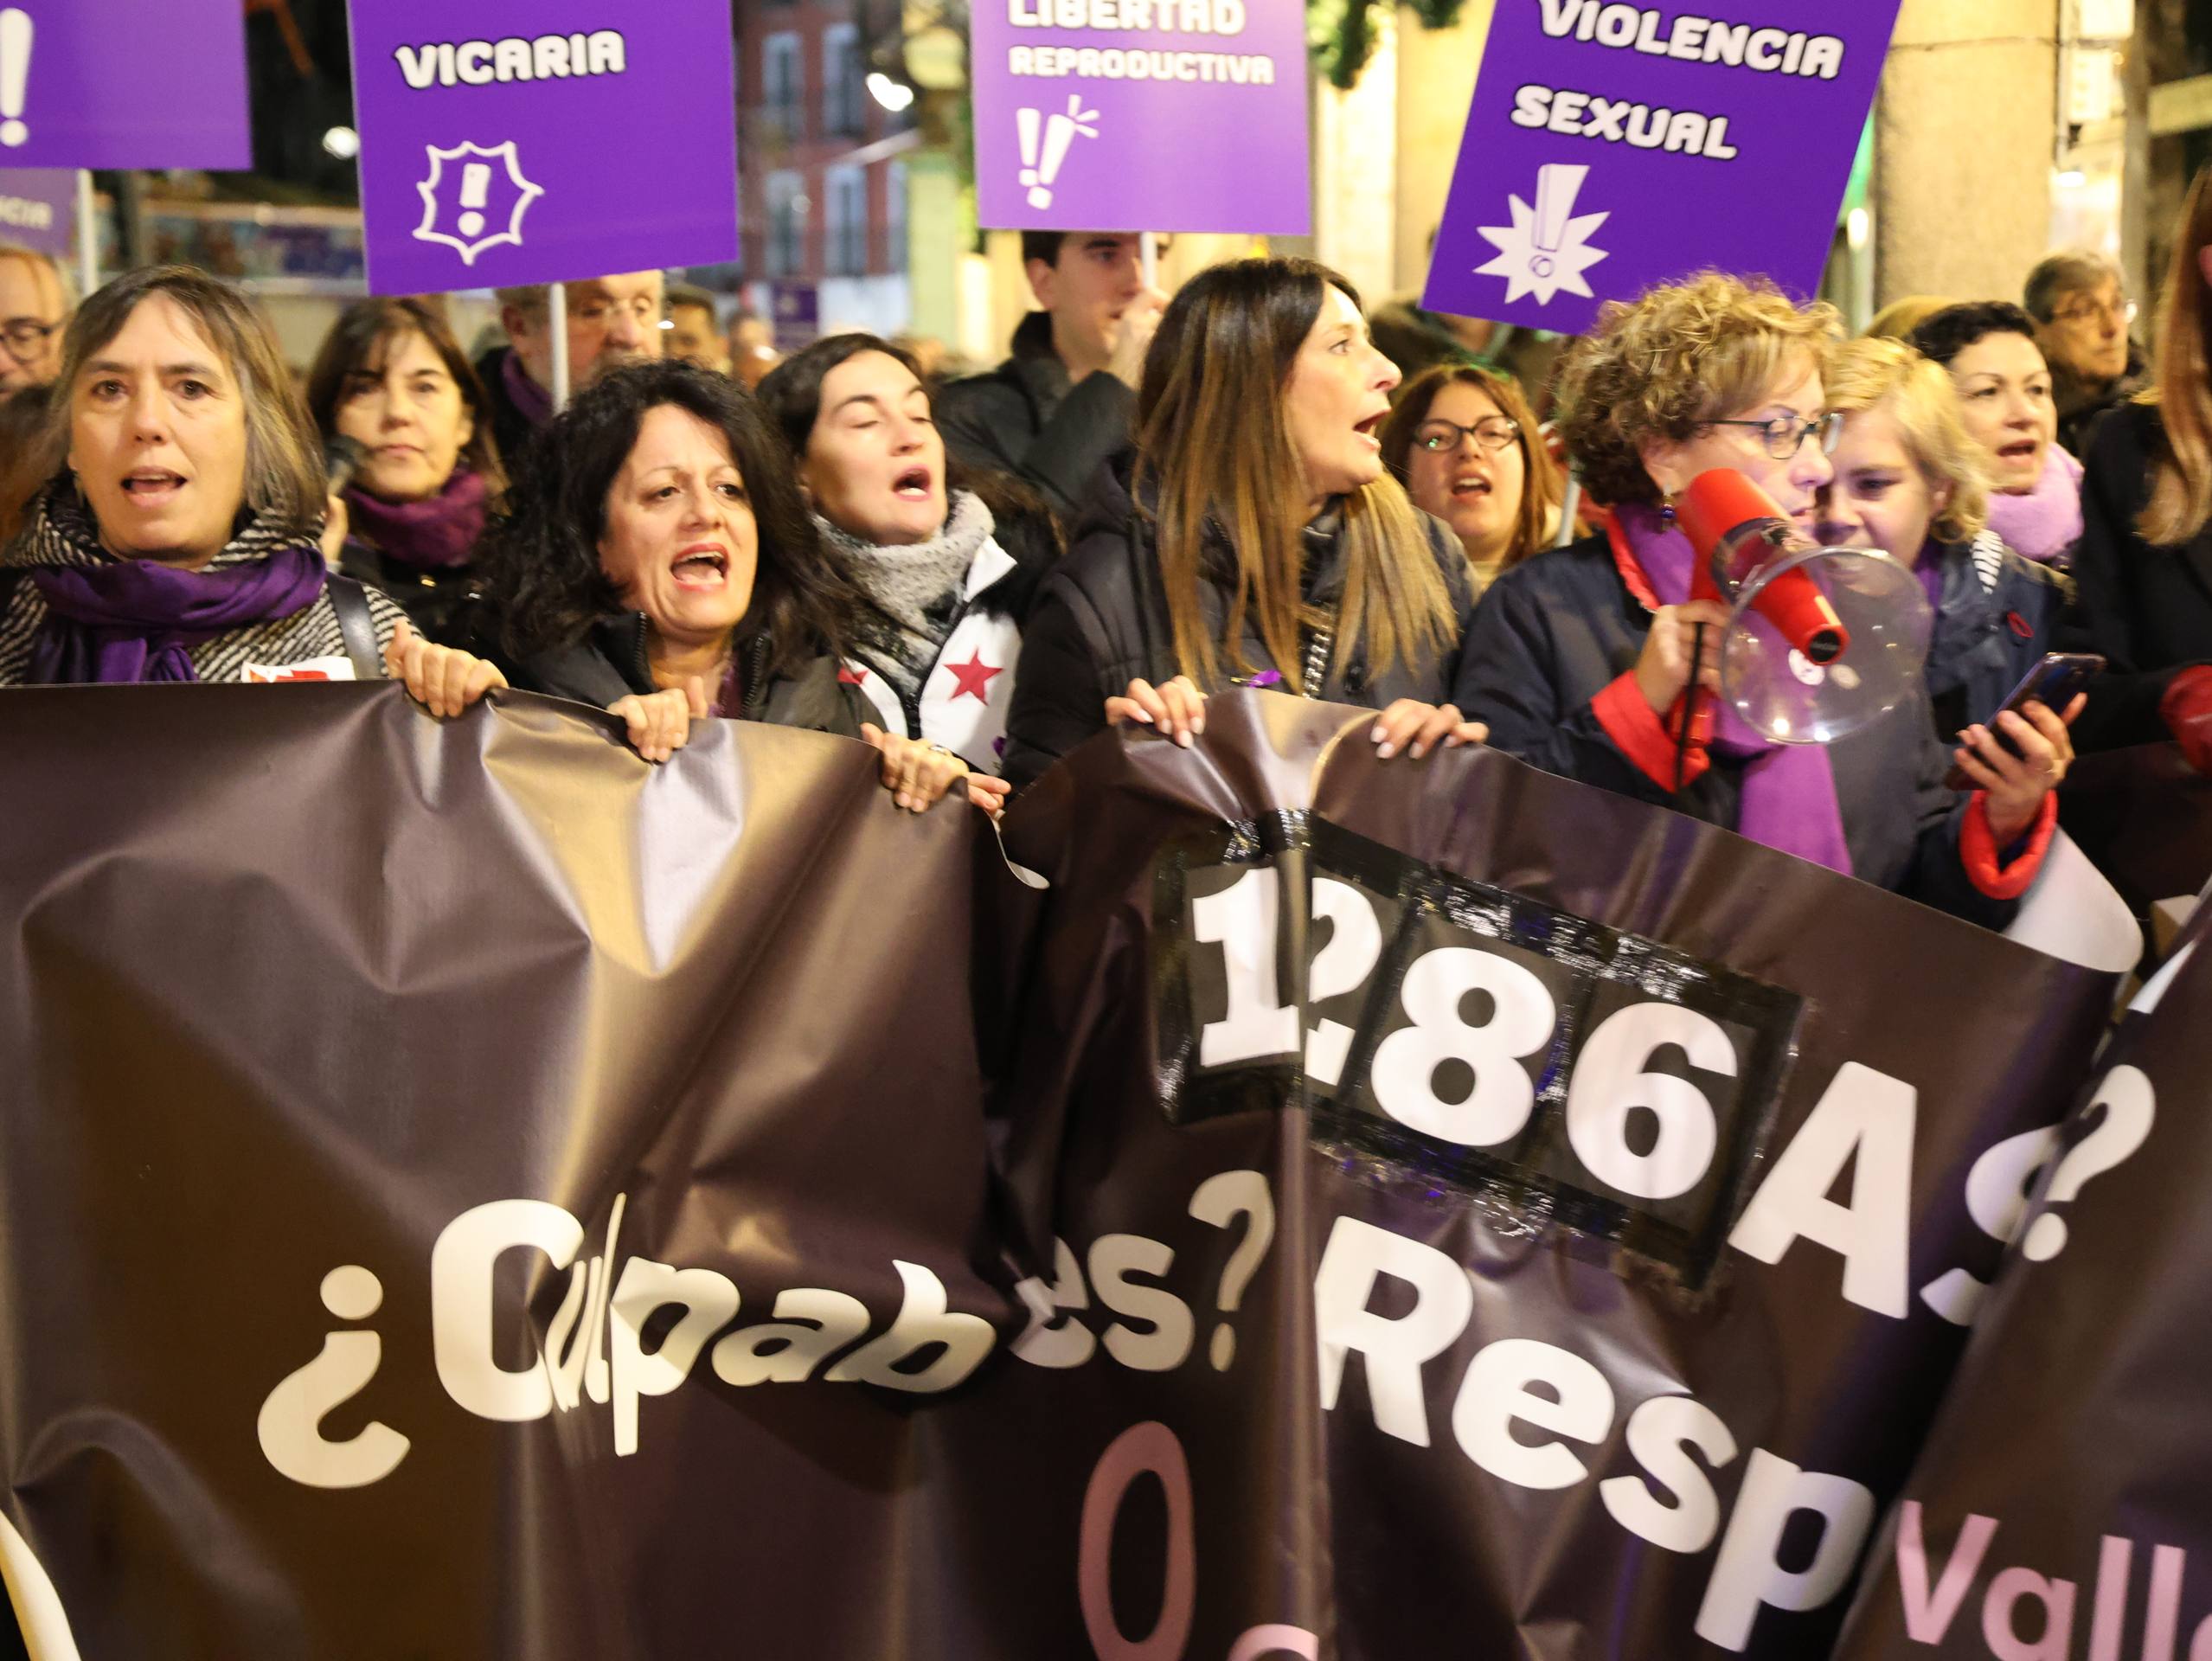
2081 316
612 320
1063 403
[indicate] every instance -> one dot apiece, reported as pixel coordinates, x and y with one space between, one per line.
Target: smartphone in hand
2053 683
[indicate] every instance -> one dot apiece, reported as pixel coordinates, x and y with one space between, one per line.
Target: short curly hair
1943 335
1674 359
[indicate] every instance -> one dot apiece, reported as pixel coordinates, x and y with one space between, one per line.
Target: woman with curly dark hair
660 564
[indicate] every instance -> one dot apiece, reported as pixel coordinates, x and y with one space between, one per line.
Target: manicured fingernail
1198 724
1378 735
1418 750
1143 716
1385 750
1184 738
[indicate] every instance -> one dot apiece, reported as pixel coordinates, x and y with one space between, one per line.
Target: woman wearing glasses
1462 441
1576 658
2082 322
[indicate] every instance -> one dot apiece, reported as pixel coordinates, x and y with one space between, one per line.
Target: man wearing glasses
2081 323
33 309
612 320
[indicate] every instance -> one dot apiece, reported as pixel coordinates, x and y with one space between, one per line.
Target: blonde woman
1911 482
1256 538
2145 560
1576 659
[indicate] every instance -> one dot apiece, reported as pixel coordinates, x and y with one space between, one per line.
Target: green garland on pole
1341 33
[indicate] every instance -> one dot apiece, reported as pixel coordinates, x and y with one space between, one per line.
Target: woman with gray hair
164 522
2082 315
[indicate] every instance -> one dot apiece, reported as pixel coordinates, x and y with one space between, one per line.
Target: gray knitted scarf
915 588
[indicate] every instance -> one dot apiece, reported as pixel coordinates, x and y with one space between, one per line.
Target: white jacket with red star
966 692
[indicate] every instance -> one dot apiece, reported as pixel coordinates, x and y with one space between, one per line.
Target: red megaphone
1735 529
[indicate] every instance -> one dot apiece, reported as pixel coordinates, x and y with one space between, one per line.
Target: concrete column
1965 130
1436 83
1355 161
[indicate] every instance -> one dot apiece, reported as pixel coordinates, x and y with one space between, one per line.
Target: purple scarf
438 532
125 620
2045 524
532 401
1789 790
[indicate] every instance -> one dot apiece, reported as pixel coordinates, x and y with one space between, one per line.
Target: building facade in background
821 177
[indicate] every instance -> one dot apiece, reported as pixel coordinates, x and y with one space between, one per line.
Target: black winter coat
610 664
1555 631
510 429
436 602
2148 610
1101 621
1025 419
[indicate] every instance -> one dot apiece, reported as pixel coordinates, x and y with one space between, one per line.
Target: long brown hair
2181 479
284 464
1544 487
363 339
1213 440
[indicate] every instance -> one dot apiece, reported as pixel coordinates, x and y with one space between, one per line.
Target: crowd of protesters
1152 499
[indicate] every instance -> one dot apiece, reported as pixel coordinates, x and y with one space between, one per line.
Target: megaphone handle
1690 695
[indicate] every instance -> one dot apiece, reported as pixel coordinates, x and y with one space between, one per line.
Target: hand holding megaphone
1807 642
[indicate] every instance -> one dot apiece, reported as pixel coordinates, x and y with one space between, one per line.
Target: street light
893 95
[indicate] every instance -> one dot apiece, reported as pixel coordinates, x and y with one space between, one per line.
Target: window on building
846 219
894 216
845 91
787 208
783 85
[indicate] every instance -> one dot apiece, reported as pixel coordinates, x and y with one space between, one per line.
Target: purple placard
38 208
1141 115
124 83
1611 147
548 143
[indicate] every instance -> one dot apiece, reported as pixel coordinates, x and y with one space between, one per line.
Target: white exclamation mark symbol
1557 185
1025 127
15 72
1040 163
476 179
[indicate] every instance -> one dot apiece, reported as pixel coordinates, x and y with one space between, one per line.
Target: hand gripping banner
471 1194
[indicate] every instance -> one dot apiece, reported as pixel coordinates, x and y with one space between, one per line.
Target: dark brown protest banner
1629 1186
470 1194
2058 1509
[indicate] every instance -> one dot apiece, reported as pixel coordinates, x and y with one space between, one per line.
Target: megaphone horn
1820 640
1737 530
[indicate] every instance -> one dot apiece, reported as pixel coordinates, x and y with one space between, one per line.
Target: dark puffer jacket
1997 616
1556 630
1101 621
609 663
1025 418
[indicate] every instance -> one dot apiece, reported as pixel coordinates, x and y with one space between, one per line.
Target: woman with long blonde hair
2144 565
1254 537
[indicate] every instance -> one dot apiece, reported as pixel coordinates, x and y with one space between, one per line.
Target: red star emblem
974 678
848 676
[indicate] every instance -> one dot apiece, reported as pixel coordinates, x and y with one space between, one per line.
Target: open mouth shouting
2019 452
1370 430
153 487
703 566
914 484
1471 487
